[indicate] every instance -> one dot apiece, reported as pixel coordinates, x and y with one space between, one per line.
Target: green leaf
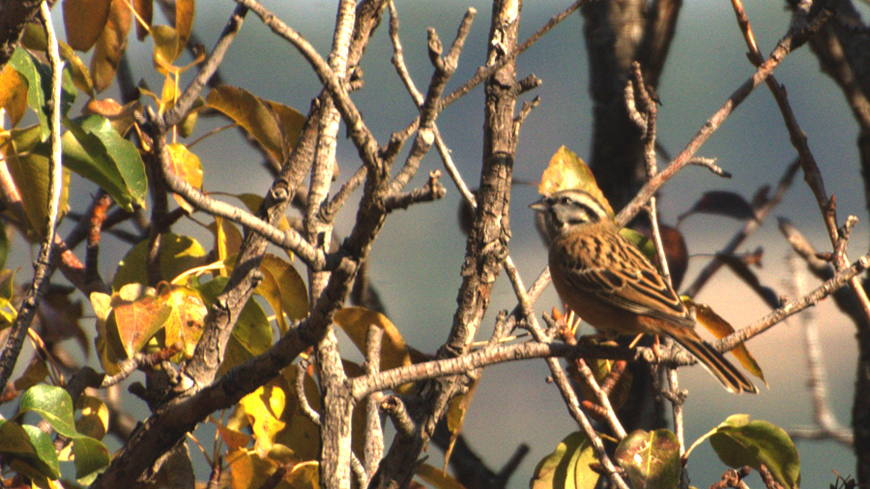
568 466
90 456
177 254
94 149
651 460
30 445
46 457
54 405
739 441
38 77
25 65
29 170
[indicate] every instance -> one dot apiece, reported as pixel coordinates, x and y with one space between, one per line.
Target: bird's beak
539 206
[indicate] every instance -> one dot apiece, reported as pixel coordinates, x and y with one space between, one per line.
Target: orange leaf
138 316
111 45
84 21
13 94
720 328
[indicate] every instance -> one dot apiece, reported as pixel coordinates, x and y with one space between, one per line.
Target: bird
612 285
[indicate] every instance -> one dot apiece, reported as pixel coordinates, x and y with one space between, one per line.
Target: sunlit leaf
186 126
651 460
94 418
34 39
13 94
107 346
111 45
437 478
138 315
185 165
566 170
184 12
249 469
122 117
265 410
187 320
721 328
291 122
167 48
285 290
84 21
227 238
305 475
234 439
256 117
177 255
739 441
456 412
568 466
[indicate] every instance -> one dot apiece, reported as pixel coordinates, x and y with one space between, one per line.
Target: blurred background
416 261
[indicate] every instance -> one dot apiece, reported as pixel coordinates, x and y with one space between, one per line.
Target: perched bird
614 287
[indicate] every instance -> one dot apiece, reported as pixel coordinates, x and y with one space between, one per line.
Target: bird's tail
725 372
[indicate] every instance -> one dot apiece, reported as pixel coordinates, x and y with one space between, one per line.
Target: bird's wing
619 274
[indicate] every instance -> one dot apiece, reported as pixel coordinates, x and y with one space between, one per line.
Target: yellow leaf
720 328
227 239
13 94
184 10
265 409
437 478
249 469
304 476
187 320
456 417
185 165
167 48
177 255
249 111
94 420
567 170
111 45
355 321
234 439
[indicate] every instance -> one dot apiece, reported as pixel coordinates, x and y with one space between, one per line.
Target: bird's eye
564 200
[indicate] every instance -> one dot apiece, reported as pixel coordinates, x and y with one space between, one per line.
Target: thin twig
45 264
796 36
792 307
